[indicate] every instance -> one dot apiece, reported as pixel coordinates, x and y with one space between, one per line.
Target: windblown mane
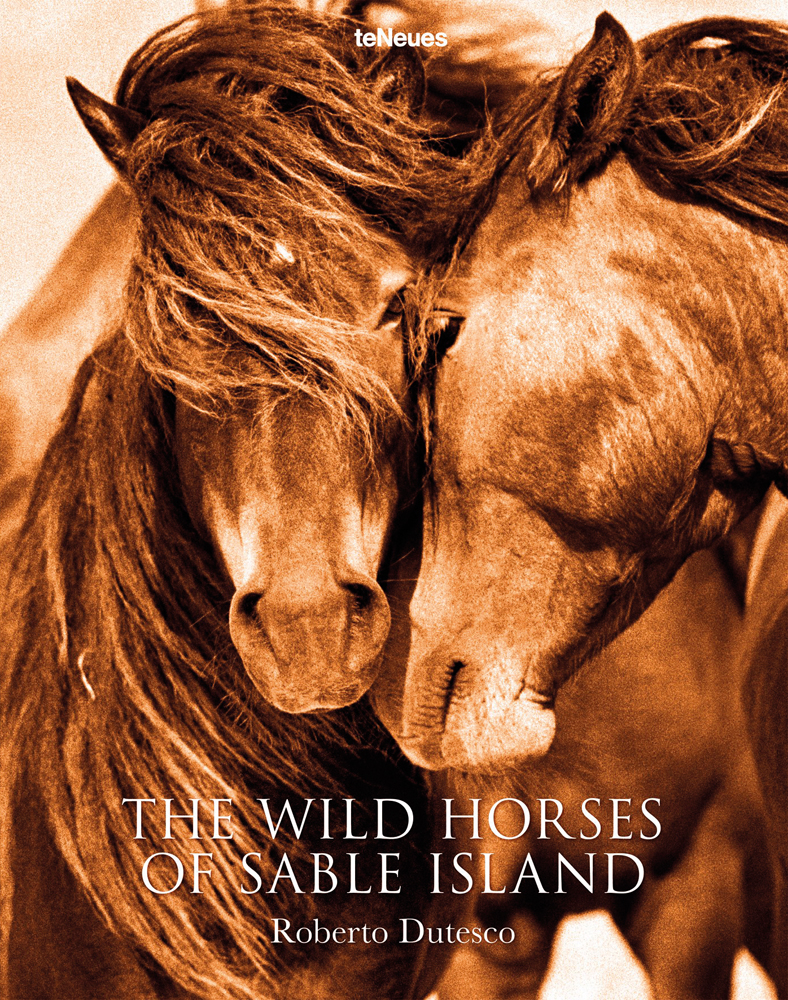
707 119
120 681
710 120
272 161
271 138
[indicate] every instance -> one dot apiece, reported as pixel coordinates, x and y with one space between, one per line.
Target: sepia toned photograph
394 500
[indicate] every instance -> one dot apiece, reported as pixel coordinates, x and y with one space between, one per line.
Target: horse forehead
574 236
562 347
309 455
281 443
579 284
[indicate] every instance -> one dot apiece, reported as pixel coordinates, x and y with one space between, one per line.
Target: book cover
226 544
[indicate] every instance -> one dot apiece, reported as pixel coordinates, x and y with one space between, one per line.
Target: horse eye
395 309
444 329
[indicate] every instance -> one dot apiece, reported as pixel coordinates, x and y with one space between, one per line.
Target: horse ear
590 108
399 77
113 128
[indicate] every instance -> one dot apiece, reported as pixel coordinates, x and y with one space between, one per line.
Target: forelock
271 178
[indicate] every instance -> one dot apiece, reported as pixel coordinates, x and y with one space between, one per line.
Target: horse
607 399
321 616
207 527
764 645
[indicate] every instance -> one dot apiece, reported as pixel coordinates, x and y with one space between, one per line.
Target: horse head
301 521
587 425
267 296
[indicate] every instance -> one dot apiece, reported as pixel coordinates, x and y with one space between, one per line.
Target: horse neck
723 285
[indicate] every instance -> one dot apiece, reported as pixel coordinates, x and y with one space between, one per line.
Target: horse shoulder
766 663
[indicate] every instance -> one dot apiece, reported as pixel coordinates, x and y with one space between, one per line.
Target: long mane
706 120
271 138
710 121
120 682
272 161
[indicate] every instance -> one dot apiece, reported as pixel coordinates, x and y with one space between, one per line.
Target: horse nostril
247 606
361 598
310 641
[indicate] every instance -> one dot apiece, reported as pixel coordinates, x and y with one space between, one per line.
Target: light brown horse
227 307
613 399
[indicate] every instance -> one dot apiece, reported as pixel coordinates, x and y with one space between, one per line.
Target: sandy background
51 174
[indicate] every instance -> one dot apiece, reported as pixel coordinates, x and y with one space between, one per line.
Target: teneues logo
389 37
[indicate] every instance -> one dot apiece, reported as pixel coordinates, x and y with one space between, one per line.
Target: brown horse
223 482
612 400
228 307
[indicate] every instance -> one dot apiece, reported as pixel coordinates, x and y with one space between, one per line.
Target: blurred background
51 174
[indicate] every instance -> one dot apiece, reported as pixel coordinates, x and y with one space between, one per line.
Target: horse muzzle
456 715
317 649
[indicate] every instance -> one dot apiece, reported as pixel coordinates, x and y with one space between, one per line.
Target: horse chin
501 737
522 730
466 729
295 701
320 703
